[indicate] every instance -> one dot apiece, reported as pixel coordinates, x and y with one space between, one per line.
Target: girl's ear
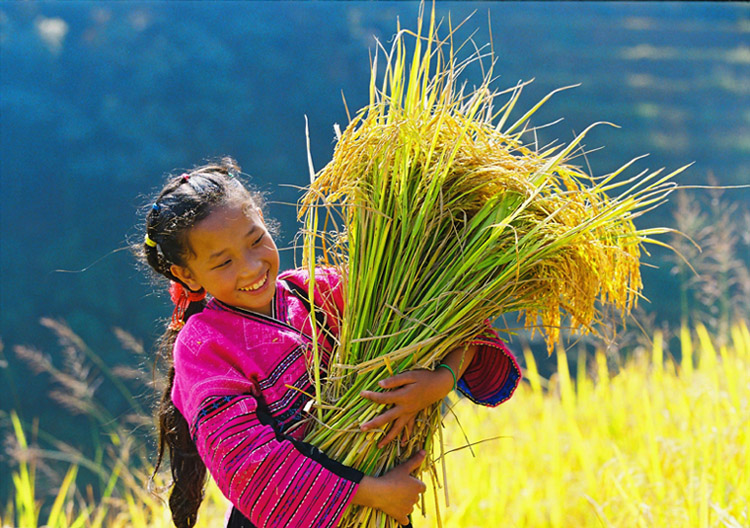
185 275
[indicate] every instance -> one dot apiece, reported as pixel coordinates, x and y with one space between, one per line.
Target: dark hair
185 200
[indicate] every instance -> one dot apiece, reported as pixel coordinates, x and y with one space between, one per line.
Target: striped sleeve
493 374
275 481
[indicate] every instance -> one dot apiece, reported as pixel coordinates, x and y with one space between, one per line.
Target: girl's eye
257 241
223 264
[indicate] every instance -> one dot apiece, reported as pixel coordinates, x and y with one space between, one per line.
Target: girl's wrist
452 372
459 360
367 492
445 379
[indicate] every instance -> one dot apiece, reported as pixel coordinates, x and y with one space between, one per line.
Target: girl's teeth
257 285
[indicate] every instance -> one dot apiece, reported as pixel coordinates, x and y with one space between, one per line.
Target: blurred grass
648 442
655 443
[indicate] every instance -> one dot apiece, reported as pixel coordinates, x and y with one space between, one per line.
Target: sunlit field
652 444
647 443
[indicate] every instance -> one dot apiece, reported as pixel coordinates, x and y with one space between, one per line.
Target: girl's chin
261 306
258 300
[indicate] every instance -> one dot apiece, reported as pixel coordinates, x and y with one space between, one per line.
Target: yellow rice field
654 445
645 444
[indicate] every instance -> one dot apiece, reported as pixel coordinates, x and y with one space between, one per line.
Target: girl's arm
493 374
414 390
486 373
279 481
394 493
272 479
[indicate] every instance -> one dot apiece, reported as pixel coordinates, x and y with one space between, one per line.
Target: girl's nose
252 265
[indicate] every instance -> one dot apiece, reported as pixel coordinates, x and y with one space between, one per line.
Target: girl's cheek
223 273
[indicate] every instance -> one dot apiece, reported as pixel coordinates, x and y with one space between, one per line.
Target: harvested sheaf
439 217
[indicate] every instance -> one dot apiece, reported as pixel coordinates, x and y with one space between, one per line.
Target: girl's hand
396 492
409 393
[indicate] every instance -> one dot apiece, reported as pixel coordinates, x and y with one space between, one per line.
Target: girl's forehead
223 225
234 212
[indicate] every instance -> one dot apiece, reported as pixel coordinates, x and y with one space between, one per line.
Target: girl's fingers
407 430
378 397
410 424
397 381
414 462
398 426
378 421
395 397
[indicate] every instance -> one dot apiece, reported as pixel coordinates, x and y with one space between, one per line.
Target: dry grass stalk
119 461
715 286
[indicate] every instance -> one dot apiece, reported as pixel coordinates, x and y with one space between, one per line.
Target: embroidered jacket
240 379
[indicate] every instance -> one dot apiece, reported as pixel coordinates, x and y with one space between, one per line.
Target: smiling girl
238 345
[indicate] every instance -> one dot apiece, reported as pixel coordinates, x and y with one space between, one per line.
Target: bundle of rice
447 219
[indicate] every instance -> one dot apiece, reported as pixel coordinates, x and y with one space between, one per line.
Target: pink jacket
239 382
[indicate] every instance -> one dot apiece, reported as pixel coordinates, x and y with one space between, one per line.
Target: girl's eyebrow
224 250
216 254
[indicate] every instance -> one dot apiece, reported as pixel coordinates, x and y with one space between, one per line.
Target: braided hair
184 201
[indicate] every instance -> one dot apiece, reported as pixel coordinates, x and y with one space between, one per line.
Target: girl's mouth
256 285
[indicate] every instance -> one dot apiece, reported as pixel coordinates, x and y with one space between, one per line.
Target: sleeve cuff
493 375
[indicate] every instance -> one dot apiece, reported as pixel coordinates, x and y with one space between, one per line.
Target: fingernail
381 383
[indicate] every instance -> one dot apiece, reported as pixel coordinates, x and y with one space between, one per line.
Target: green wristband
452 374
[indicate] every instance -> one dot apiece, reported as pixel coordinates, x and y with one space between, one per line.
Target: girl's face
233 257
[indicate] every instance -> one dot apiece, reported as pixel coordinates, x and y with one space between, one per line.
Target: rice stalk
448 221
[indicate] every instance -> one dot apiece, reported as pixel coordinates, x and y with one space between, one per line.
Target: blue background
93 122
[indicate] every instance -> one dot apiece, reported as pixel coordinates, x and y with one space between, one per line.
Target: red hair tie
182 297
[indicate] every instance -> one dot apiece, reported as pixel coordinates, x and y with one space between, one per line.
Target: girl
238 345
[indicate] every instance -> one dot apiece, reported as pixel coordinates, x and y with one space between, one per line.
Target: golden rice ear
449 220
